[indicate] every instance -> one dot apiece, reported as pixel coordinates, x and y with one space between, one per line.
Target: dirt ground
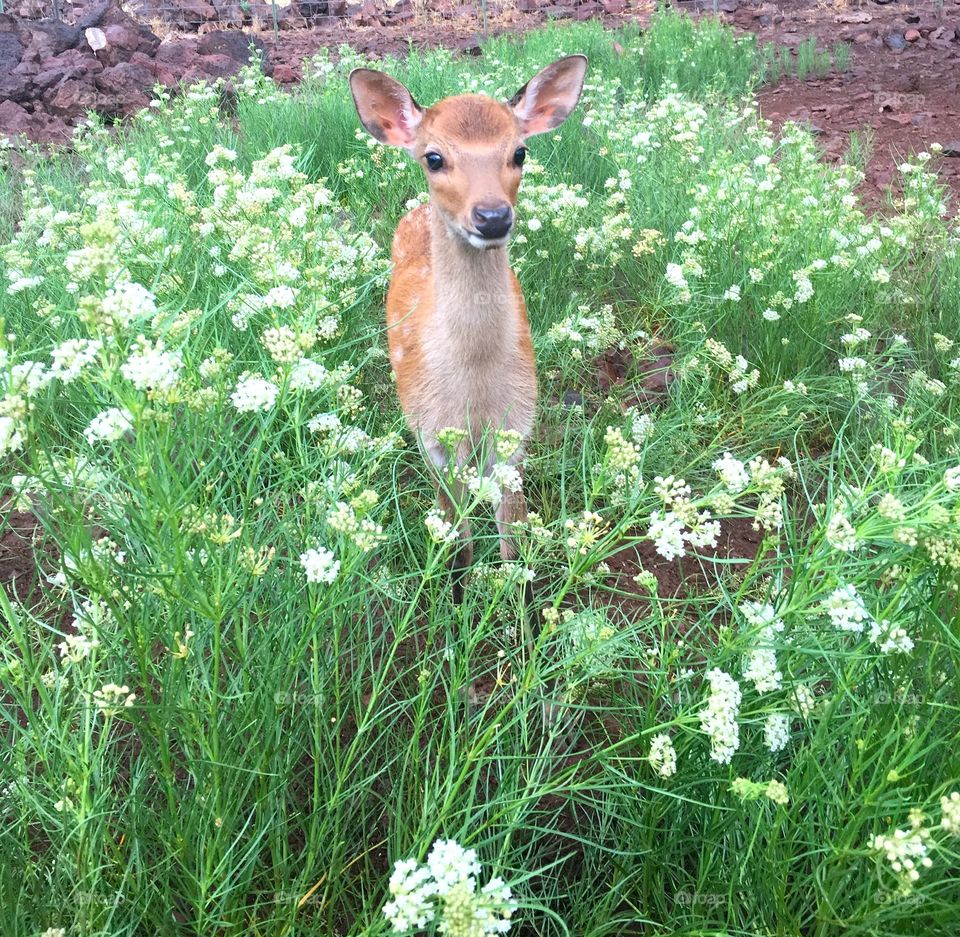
906 100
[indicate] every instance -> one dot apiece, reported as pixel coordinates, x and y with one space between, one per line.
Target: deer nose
493 223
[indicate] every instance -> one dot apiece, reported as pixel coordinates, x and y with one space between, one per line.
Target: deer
457 329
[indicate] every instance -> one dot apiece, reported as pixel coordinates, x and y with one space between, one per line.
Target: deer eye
434 161
519 155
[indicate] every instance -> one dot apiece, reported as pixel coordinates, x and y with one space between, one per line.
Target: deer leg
511 510
461 558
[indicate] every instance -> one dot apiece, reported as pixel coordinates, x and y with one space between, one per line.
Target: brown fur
457 324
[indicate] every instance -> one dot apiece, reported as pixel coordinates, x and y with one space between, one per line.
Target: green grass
287 742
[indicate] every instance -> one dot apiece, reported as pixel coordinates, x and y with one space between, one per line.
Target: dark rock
952 148
178 54
895 42
49 38
728 6
212 66
912 18
194 12
229 43
12 85
336 7
572 398
11 52
229 13
587 10
368 14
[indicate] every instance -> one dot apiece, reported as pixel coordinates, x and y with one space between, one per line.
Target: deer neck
473 290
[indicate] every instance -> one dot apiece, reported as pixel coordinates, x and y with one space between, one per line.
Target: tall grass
280 743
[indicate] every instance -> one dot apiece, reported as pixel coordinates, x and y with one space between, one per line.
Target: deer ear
547 99
385 107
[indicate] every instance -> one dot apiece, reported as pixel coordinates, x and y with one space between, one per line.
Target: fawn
457 325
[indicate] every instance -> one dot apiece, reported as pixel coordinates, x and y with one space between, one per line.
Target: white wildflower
719 717
253 394
320 565
109 425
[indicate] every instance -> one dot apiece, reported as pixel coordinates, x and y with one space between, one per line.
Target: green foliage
238 691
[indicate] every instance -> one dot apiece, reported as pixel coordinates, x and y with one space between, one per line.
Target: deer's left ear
547 99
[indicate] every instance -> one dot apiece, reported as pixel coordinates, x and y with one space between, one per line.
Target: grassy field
238 692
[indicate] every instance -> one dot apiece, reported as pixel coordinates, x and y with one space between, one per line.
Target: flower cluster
718 719
446 889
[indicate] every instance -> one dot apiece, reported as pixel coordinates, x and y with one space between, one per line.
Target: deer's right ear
385 107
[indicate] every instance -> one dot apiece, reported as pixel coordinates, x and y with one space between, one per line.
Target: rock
911 35
126 88
13 119
72 99
195 12
368 15
212 66
895 42
952 148
587 10
856 16
11 52
46 39
95 38
285 74
229 13
912 18
177 54
614 7
861 39
727 6
122 37
13 86
72 64
229 43
336 7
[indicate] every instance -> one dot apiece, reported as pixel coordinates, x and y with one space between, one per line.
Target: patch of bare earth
902 87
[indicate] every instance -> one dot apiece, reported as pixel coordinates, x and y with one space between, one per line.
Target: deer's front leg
511 510
451 495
